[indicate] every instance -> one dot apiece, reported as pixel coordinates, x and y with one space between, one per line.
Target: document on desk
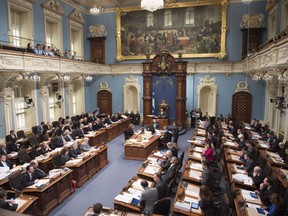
20 203
197 155
195 174
247 195
183 206
151 169
254 209
39 183
243 178
124 198
235 157
192 190
4 175
136 193
158 154
74 161
137 184
197 166
14 154
198 149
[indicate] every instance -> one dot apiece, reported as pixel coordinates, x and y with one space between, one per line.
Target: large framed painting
196 30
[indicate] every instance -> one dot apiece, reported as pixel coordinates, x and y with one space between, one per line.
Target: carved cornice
76 16
252 21
54 6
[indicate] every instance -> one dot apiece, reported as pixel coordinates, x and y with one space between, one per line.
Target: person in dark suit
206 201
154 126
249 164
74 151
148 198
266 189
5 163
165 163
162 114
257 176
29 177
273 145
3 148
60 130
175 131
38 172
89 128
160 185
10 205
11 137
166 136
108 120
61 159
207 177
128 133
40 127
38 150
173 148
170 173
56 142
43 136
67 136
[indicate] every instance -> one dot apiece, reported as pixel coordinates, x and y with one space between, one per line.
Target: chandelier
95 10
35 77
152 5
88 78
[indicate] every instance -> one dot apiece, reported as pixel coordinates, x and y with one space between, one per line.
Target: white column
7 98
44 99
69 99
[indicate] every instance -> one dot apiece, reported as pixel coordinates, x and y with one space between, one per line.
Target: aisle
107 183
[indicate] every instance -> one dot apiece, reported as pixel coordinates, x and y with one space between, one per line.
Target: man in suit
170 173
57 142
129 132
172 147
207 177
162 114
165 163
3 148
5 163
166 136
74 151
4 204
29 177
160 185
67 136
249 164
89 128
257 176
40 127
266 189
274 144
154 126
85 145
11 137
148 198
38 172
80 131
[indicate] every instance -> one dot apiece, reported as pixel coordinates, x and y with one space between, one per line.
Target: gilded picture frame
195 29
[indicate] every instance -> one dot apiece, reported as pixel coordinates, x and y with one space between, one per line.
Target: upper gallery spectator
38 49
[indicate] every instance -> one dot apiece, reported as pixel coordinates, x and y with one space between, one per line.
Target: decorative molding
104 86
131 81
270 4
76 16
54 6
252 21
242 86
24 3
207 81
97 31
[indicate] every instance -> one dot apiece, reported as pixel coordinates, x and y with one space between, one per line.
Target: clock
104 85
242 86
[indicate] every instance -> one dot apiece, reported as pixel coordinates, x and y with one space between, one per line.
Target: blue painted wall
3 22
1 122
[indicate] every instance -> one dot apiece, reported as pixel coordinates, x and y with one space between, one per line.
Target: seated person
74 151
162 114
166 136
154 126
80 131
57 142
29 177
173 148
257 176
3 148
165 163
249 164
61 159
67 136
170 173
128 133
38 150
208 151
38 172
4 204
89 128
148 198
43 136
97 209
160 185
206 201
266 189
5 163
207 177
85 145
11 137
23 156
276 207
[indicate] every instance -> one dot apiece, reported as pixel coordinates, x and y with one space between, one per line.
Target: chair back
21 134
54 124
34 130
180 161
33 140
23 156
162 207
15 180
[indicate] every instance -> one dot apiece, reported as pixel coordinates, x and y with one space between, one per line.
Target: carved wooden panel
97 49
241 106
104 101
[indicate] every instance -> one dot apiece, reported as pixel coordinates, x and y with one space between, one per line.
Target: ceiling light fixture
152 5
88 78
95 10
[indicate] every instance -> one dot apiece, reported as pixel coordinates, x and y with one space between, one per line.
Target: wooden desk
260 144
141 150
26 204
107 211
191 195
147 170
162 122
231 171
195 153
88 166
45 164
134 183
200 132
53 193
195 142
233 156
231 144
192 172
117 128
97 138
271 158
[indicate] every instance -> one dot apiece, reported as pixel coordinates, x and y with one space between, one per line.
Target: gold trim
224 28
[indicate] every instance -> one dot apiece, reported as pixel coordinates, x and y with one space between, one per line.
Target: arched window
150 20
168 18
189 16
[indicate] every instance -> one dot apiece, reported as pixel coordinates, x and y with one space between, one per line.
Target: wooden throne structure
165 64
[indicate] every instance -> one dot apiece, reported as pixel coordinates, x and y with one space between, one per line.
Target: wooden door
241 106
104 101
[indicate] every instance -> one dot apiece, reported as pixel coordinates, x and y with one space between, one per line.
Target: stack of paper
197 155
135 193
197 166
195 174
192 190
158 154
243 178
74 161
124 198
198 149
183 206
4 175
151 169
